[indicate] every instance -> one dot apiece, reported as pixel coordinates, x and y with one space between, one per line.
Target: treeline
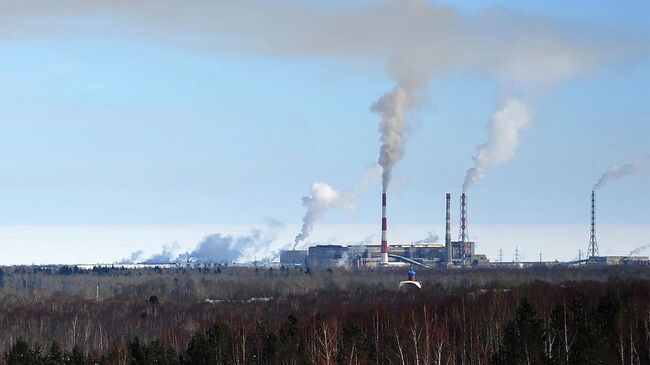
26 284
339 317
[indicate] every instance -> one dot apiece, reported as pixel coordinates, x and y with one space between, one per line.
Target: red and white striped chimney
384 228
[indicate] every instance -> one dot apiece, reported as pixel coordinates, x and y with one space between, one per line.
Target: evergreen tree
199 351
55 356
523 339
22 354
291 342
353 345
583 349
75 357
152 353
264 344
606 326
213 346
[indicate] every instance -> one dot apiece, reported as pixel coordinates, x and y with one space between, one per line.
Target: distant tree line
579 316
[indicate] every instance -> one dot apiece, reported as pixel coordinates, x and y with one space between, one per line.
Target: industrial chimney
448 232
384 228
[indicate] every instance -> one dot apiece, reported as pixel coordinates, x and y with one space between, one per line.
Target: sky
120 118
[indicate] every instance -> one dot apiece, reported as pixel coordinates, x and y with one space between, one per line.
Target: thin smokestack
384 229
448 231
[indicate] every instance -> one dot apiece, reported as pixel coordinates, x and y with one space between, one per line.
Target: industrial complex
450 254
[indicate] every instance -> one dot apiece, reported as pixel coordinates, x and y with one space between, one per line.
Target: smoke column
617 171
504 131
323 198
392 108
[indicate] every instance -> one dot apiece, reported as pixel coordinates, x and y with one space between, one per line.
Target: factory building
328 256
290 258
619 260
429 254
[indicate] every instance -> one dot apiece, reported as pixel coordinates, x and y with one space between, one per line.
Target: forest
231 315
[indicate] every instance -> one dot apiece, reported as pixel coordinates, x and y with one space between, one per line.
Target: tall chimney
384 228
448 232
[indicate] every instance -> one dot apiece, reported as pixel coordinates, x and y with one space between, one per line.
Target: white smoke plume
219 248
392 108
133 258
504 132
165 257
617 171
323 197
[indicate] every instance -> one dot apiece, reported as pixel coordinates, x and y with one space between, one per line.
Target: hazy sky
109 116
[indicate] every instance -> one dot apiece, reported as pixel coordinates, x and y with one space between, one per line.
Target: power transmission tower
517 254
500 254
592 251
462 236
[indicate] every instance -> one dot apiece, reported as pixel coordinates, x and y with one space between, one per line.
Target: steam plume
392 108
323 198
133 258
617 171
504 130
165 257
219 248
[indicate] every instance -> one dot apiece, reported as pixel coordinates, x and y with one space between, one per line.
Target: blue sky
103 128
